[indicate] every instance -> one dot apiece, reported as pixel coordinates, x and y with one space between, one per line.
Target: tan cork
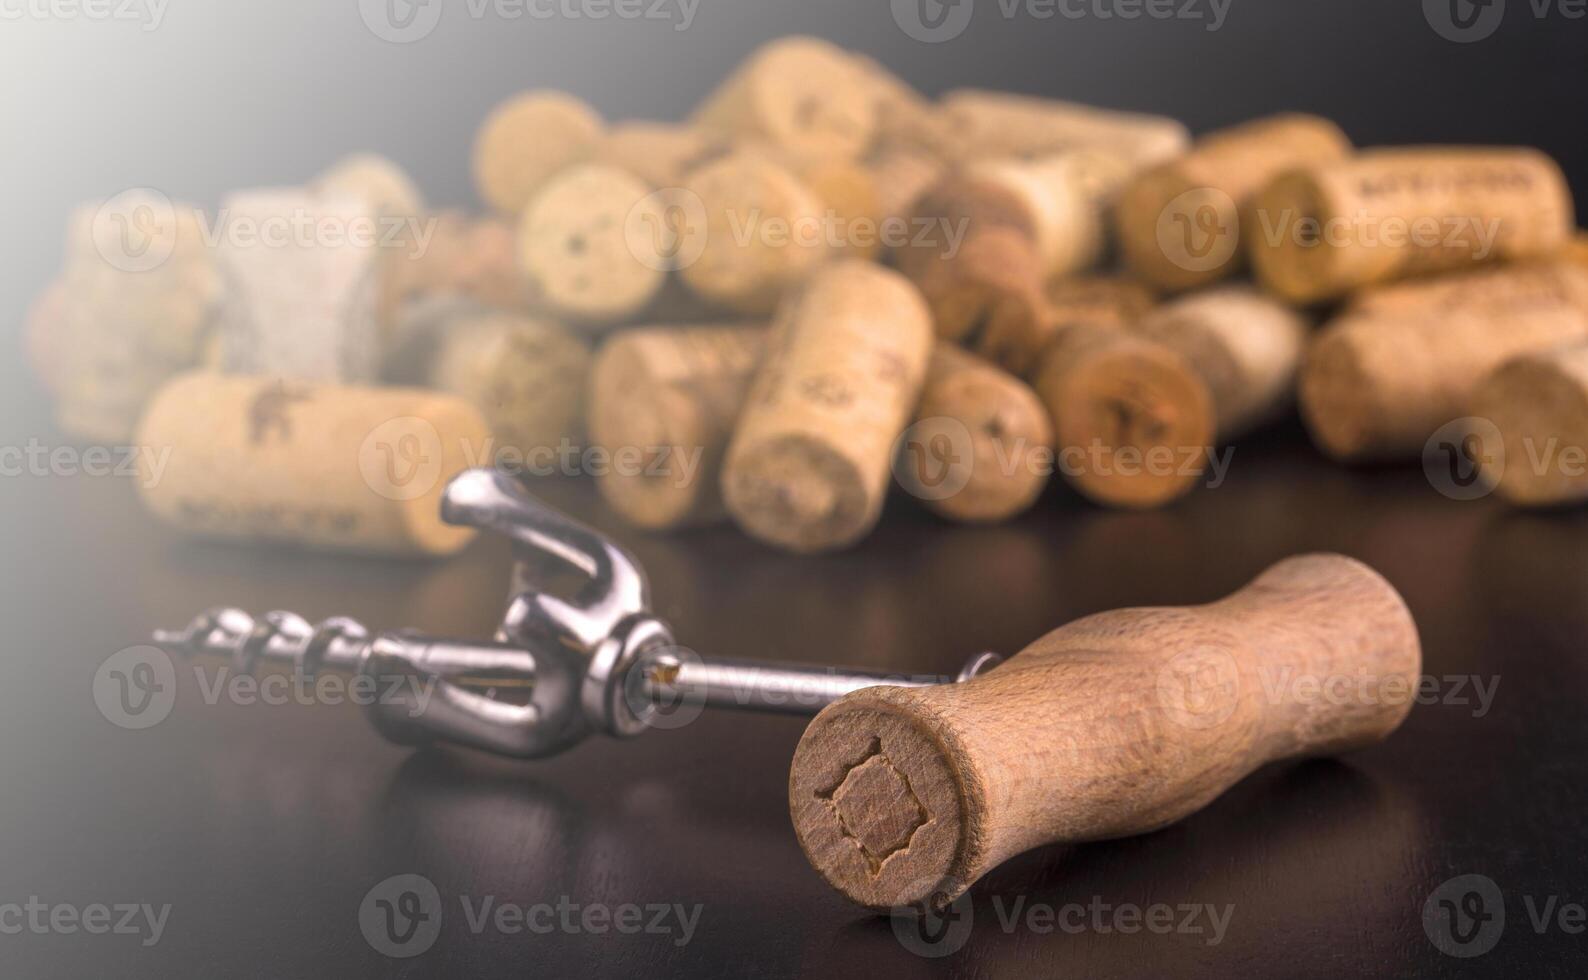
761 233
660 154
1019 331
672 396
802 95
1378 387
575 244
325 467
526 375
375 180
1066 197
141 293
528 140
44 335
1521 284
1246 347
1325 230
1117 724
1180 223
1539 405
808 466
981 449
907 121
1133 421
993 125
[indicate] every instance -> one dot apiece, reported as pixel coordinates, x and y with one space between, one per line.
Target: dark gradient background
265 827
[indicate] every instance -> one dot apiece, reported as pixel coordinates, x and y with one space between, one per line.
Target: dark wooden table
264 827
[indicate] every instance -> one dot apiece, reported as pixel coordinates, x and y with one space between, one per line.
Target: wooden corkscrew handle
1117 724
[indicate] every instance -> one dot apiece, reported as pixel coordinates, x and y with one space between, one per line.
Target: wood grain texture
1117 724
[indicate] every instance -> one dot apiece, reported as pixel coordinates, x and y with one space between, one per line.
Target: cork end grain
799 493
880 805
1539 404
1297 267
1336 394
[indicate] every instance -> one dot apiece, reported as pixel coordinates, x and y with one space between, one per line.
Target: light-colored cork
808 466
377 181
1521 284
1066 197
1539 405
761 231
992 125
526 375
141 291
1577 249
1247 348
981 448
907 121
44 335
576 244
1133 422
1179 224
1378 387
300 300
806 97
528 140
1018 332
660 154
326 467
1325 230
665 400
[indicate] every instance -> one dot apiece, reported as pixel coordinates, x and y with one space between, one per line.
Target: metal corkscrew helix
558 668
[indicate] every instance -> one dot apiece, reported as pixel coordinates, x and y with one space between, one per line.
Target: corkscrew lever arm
558 669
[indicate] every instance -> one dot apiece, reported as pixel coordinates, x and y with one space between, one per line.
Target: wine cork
528 140
1577 250
853 200
1245 346
901 178
44 335
326 467
660 154
763 231
576 247
907 121
1327 229
527 376
802 95
1179 224
1065 197
1497 289
670 396
807 468
141 289
375 180
1018 331
1539 405
992 125
301 295
1133 422
1377 387
981 449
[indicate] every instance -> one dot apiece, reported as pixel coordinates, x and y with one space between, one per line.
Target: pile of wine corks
822 289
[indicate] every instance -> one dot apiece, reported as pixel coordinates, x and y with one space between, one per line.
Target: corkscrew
559 667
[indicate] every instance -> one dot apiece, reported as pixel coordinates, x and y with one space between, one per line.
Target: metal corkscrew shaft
559 667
